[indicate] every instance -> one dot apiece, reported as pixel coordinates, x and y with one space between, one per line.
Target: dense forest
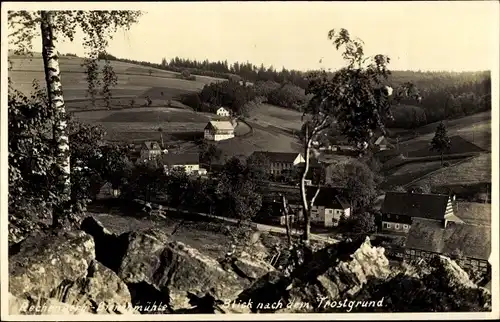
444 94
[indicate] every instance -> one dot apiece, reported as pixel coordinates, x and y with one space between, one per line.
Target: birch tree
98 27
356 99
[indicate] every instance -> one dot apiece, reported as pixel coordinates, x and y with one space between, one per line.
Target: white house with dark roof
381 143
150 150
399 210
218 131
220 111
329 206
190 162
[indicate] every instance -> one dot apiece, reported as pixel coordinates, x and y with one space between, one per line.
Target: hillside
134 81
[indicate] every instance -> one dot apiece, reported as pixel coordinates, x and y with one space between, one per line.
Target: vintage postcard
249 160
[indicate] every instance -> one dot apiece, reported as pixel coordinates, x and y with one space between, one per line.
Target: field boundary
438 170
403 160
249 133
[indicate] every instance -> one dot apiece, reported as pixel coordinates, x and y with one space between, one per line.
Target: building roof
180 159
329 197
381 140
151 145
285 157
431 206
472 241
220 125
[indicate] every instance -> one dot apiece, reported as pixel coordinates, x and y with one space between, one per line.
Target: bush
289 96
192 100
446 164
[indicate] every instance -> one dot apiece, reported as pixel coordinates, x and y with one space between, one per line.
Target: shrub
446 164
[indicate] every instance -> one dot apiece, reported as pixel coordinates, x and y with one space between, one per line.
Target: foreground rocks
157 269
96 271
335 281
47 269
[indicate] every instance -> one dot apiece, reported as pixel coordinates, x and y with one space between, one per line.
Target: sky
438 35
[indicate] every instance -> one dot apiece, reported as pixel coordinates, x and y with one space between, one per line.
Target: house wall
392 226
299 159
149 154
218 136
278 167
327 216
449 208
189 168
223 136
222 112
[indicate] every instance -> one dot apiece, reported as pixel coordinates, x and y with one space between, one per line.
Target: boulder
175 270
44 262
251 267
60 267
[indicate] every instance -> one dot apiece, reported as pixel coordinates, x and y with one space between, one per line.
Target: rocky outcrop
100 272
176 270
48 269
173 274
357 277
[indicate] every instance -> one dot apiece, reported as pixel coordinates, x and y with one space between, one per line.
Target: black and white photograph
256 160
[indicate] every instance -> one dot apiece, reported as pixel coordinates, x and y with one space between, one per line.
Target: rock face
334 281
48 269
96 271
175 270
170 273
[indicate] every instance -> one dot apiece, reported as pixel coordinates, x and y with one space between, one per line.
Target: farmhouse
220 111
399 209
277 162
107 191
150 150
469 245
190 162
329 206
381 143
219 130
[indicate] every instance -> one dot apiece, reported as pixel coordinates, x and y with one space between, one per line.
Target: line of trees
444 94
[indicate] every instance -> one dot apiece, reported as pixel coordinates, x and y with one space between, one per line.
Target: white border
147 6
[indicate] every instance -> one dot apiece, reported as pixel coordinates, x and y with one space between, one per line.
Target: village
411 225
311 167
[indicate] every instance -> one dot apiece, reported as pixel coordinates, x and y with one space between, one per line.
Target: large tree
98 27
441 142
356 99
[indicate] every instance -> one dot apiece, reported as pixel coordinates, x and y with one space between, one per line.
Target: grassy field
133 81
407 173
474 128
267 115
142 123
473 171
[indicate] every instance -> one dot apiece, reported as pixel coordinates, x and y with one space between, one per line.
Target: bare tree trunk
287 222
56 103
305 205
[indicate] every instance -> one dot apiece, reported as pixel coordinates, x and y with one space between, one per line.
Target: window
397 226
388 225
405 226
412 252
